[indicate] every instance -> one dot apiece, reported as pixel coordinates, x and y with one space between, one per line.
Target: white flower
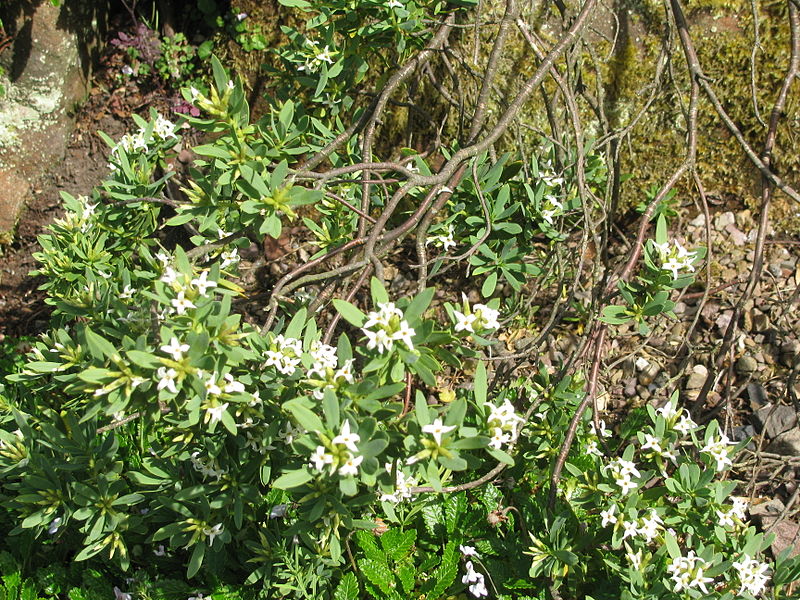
751 575
203 284
652 442
468 551
215 412
350 466
444 190
347 438
667 411
54 525
378 339
229 257
725 519
487 316
739 507
160 550
126 293
609 518
635 559
404 334
464 322
394 4
181 303
167 379
232 386
320 458
346 372
498 438
211 386
593 448
685 424
718 449
477 585
687 572
436 429
212 532
650 526
164 128
630 529
175 349
603 431
170 276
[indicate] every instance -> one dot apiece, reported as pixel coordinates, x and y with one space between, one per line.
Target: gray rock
723 220
774 419
647 376
786 444
757 395
789 352
760 321
746 365
737 237
697 378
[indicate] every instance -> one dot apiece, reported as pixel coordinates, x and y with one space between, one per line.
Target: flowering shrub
366 442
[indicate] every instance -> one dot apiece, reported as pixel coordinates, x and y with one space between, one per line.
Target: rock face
47 71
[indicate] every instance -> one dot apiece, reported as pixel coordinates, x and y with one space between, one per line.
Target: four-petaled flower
212 532
175 348
436 429
348 439
167 379
215 412
350 466
203 284
181 303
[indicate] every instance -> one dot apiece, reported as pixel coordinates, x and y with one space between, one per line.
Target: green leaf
480 384
330 408
379 294
304 416
196 561
292 479
347 588
488 287
419 305
350 313
99 346
220 76
377 573
421 411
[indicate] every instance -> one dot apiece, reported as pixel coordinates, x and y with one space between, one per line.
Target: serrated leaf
347 588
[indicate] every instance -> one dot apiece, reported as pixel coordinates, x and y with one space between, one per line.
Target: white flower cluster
323 371
646 527
623 471
718 449
737 512
687 573
206 469
675 258
548 175
82 218
315 57
477 318
444 241
504 423
751 575
389 327
345 460
402 486
131 143
682 424
475 580
284 354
